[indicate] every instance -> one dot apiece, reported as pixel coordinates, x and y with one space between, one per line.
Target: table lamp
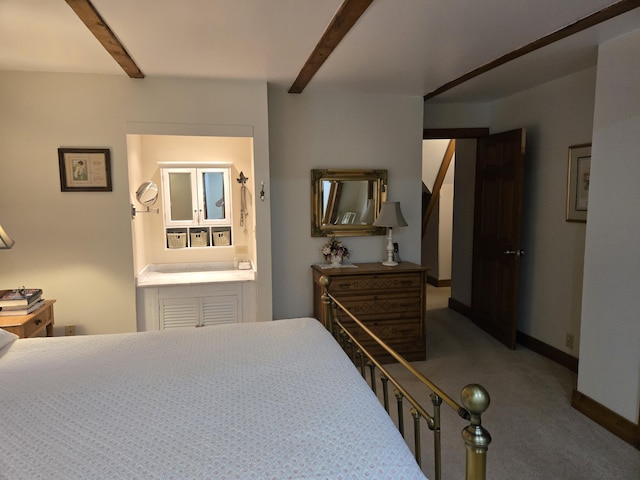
6 241
390 216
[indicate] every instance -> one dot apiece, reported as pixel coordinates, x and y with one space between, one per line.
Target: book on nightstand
22 310
22 297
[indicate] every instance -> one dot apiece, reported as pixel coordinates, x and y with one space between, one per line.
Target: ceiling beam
92 19
345 18
600 16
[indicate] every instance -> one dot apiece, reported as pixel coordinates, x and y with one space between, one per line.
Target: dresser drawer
384 305
376 282
388 331
405 338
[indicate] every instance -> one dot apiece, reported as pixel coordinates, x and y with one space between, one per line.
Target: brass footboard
474 397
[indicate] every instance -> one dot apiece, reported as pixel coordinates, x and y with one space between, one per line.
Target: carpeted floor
536 433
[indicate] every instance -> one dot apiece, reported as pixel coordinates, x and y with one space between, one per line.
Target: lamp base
390 262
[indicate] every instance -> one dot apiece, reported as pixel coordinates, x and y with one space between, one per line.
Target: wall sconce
390 216
6 241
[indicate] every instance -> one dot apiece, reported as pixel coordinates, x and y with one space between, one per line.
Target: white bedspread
275 400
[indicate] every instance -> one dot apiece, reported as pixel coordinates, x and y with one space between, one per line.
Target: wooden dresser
391 301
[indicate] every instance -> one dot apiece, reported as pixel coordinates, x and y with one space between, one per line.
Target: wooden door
496 236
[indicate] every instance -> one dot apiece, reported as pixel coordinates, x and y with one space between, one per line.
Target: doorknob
517 253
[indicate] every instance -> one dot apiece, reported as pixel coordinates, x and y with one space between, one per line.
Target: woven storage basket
177 240
221 239
198 239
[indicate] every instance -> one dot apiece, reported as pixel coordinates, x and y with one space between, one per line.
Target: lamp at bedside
390 216
6 241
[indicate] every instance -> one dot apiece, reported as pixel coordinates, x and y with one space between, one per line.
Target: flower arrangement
334 248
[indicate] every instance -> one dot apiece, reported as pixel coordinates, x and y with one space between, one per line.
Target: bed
274 400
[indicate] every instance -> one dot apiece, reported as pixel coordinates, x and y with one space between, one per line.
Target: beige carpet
536 433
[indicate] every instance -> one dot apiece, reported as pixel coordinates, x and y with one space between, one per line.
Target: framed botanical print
578 178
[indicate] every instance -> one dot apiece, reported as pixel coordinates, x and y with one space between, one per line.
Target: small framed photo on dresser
85 169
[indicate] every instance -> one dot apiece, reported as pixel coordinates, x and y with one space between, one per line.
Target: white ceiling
407 47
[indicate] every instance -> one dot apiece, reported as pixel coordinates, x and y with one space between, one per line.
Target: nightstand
31 325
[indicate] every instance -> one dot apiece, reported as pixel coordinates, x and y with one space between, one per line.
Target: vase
336 260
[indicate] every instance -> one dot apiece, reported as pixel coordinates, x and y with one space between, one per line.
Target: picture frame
85 169
578 177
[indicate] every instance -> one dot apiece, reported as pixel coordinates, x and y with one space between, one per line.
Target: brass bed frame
473 396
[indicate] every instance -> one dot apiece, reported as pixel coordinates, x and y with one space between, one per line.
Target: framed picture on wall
85 169
578 178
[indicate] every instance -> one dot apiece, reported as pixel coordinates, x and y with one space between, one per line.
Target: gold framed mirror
346 202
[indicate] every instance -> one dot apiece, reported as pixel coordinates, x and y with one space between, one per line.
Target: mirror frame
318 229
143 191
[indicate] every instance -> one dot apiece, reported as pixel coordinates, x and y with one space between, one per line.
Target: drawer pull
38 321
344 285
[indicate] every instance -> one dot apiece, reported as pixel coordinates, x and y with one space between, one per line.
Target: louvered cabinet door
219 309
195 305
198 311
179 312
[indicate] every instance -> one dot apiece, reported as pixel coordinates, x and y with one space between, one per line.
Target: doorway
474 268
462 172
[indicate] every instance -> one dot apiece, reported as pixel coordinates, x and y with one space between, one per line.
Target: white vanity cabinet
198 305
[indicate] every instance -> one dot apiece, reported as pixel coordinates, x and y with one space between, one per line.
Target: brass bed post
385 391
326 302
372 373
437 443
363 370
399 397
416 436
476 400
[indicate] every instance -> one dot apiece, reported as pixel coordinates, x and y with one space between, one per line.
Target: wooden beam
345 18
600 16
442 172
92 19
441 133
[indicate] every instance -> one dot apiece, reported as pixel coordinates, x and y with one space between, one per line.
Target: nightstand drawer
36 322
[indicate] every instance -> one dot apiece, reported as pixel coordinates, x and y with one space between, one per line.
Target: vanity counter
158 275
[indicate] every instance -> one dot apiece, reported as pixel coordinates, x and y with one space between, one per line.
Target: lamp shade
5 240
390 216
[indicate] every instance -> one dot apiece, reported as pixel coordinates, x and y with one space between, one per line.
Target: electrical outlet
69 330
569 341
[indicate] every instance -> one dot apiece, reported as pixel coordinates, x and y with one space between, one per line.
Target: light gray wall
610 342
462 234
321 130
77 246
